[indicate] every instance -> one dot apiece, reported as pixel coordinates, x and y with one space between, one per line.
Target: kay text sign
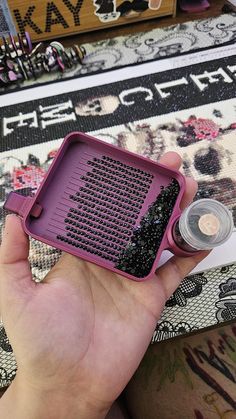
48 19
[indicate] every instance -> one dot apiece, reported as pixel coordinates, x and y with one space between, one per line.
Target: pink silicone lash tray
93 201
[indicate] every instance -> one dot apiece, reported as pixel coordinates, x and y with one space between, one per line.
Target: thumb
15 243
15 274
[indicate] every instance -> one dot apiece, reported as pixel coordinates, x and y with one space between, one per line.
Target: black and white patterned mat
146 46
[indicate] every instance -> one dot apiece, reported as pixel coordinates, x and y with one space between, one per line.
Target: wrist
26 402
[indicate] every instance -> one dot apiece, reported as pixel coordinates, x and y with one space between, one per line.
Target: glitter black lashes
107 207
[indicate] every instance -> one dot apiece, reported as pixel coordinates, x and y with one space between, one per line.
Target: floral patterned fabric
146 46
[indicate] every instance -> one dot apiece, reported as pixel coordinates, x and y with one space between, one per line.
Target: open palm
83 327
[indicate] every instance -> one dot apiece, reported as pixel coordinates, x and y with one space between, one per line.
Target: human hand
79 336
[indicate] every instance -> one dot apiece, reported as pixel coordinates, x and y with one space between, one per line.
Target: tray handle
20 204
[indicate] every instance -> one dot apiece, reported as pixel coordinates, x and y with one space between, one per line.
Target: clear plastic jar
203 225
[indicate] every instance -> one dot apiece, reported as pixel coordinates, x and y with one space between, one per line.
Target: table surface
214 10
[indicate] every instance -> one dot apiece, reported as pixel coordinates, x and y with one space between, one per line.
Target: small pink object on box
193 6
